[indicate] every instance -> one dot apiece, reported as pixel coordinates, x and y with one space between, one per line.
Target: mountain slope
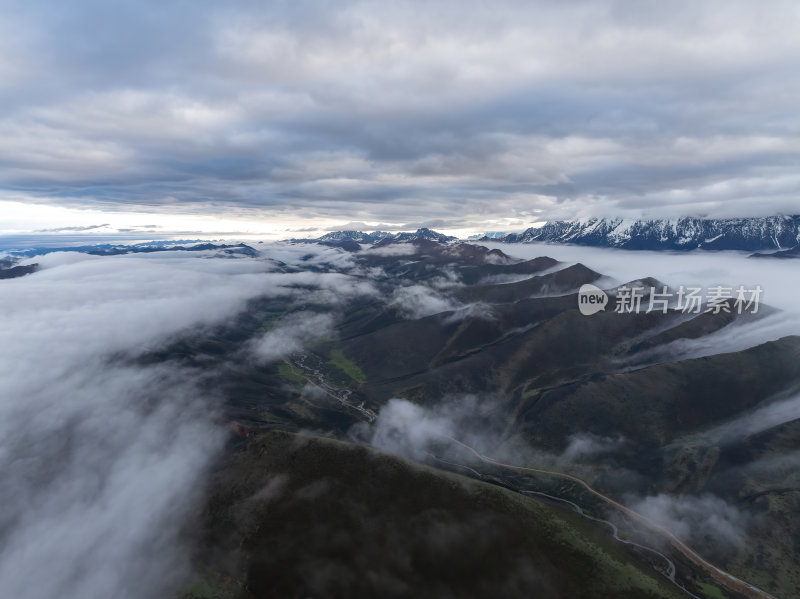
303 520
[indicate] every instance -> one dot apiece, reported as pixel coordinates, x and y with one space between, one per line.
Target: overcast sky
459 115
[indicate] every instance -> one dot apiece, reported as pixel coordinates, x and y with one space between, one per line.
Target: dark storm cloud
451 112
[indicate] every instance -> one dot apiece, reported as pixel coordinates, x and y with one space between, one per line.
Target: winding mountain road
726 579
671 569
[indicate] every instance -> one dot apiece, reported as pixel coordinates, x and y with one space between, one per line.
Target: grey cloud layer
455 111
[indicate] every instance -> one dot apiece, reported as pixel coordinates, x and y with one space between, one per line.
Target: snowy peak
357 236
381 236
424 233
775 232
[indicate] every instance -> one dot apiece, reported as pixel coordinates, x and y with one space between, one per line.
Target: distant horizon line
72 236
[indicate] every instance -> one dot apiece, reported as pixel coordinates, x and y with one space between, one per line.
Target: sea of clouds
103 455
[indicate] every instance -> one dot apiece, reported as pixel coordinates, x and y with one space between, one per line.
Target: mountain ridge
350 236
677 234
687 233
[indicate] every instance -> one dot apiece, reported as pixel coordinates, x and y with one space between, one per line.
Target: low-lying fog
779 280
102 458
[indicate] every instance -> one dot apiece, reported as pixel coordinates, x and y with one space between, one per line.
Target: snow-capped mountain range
759 233
381 236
